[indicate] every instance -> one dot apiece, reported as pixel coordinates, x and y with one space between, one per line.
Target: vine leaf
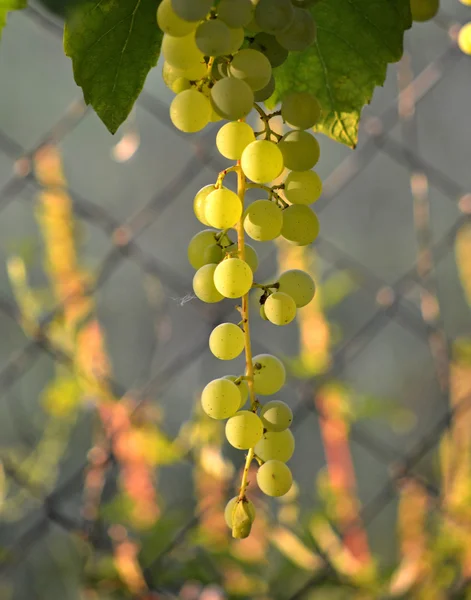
356 39
6 6
113 45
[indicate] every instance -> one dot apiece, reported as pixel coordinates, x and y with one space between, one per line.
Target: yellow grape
278 445
276 415
233 278
203 284
303 187
243 388
263 220
239 516
190 111
232 98
300 224
223 208
199 203
213 38
251 66
464 39
170 23
299 285
233 138
262 161
300 110
244 430
220 399
251 256
269 374
182 52
424 10
280 308
226 341
197 246
274 478
300 150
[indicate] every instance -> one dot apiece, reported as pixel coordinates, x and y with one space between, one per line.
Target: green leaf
113 44
356 39
6 6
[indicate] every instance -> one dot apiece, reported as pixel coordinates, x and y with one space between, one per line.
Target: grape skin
190 111
229 510
303 187
276 416
232 98
233 138
203 284
272 49
199 202
276 445
213 254
170 23
251 66
233 278
300 224
280 308
226 341
274 478
192 10
251 256
243 389
182 52
464 39
300 110
244 430
220 399
424 10
263 220
300 34
300 150
262 161
235 13
269 374
299 285
213 38
198 244
223 208
274 16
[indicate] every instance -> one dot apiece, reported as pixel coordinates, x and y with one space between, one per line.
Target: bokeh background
378 362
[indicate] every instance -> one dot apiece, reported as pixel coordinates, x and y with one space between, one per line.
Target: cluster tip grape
219 61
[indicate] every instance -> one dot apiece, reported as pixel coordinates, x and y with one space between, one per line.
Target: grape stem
241 188
222 175
265 117
270 191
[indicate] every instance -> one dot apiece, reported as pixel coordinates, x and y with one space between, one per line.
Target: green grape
233 278
274 478
299 285
269 374
253 27
219 68
232 98
220 399
192 10
233 138
301 34
235 13
170 74
229 510
243 388
276 445
300 150
276 416
464 39
266 92
213 254
203 284
170 23
226 341
244 430
280 308
190 111
263 220
223 208
274 16
251 66
180 85
300 110
251 256
213 37
182 52
236 39
300 224
262 161
262 312
272 49
199 203
198 244
303 187
424 10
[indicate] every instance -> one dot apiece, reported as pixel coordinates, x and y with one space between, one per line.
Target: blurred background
113 484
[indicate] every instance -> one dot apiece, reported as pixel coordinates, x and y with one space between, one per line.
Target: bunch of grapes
219 61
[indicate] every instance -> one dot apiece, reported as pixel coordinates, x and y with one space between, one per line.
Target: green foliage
355 42
113 44
6 6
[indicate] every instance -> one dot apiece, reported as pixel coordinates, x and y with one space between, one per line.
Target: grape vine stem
241 188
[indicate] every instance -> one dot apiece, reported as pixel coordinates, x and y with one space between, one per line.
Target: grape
213 38
263 220
233 278
223 208
300 224
274 16
190 111
243 388
300 110
203 284
466 2
213 254
170 74
299 285
464 39
235 13
220 399
300 150
236 39
251 66
198 244
232 98
192 10
262 161
280 308
228 511
303 187
272 49
276 445
274 478
423 10
180 85
253 26
251 256
244 430
182 52
226 341
219 68
276 416
301 33
199 203
233 138
170 23
269 374
262 313
266 92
